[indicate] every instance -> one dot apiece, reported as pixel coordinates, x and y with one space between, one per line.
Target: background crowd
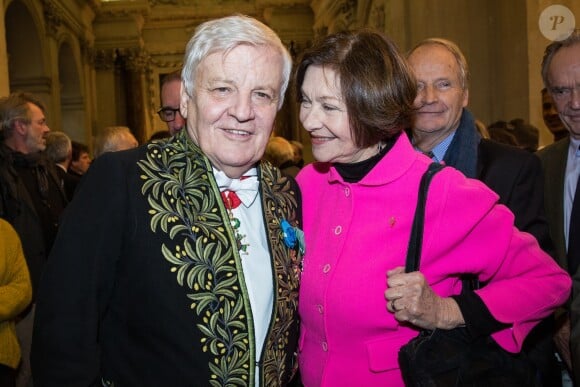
182 260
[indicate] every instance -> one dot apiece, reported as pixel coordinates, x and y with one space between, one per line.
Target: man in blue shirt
445 130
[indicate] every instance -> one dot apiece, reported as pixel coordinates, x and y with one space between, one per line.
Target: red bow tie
231 199
234 191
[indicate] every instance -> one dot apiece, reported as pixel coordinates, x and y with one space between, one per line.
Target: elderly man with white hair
178 262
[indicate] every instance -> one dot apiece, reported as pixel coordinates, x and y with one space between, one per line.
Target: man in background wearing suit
81 159
445 130
561 162
59 151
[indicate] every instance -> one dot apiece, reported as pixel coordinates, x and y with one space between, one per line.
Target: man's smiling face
231 114
441 96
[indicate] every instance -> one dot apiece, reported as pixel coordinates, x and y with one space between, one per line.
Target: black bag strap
416 240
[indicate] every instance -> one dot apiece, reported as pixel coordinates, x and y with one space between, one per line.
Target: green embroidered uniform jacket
145 287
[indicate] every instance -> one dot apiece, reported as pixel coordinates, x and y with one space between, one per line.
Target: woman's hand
411 299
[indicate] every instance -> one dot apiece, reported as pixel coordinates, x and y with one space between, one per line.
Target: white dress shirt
256 262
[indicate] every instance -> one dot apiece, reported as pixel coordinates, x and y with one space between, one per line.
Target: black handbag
452 357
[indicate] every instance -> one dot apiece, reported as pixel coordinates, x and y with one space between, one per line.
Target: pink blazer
355 232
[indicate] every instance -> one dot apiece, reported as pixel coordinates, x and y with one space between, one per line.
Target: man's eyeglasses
167 114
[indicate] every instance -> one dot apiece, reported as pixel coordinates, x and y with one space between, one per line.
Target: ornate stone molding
72 103
332 16
87 51
95 5
163 2
167 59
40 85
281 3
135 59
122 9
193 2
105 59
167 64
53 17
152 82
58 16
377 17
132 59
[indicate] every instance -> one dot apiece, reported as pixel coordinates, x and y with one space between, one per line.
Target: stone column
108 101
4 82
136 64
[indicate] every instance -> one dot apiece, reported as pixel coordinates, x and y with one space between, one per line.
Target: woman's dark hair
376 82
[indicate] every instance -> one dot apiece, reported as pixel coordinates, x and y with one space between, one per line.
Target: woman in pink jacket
356 95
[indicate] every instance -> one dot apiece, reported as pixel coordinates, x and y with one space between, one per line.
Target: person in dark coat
31 195
445 130
59 151
81 159
561 162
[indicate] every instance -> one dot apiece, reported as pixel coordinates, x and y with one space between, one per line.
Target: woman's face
324 116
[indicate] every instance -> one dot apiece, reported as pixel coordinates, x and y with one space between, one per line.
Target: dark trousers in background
540 349
7 376
24 333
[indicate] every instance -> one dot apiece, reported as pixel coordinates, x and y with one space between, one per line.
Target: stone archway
26 67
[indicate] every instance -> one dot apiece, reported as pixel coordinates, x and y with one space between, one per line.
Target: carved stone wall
155 39
500 39
37 33
97 62
116 53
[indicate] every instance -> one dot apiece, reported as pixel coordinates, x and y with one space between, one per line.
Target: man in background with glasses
170 94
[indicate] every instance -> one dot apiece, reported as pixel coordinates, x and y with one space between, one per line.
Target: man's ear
20 127
184 99
465 97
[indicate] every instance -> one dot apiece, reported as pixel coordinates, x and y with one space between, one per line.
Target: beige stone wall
500 39
536 44
493 37
97 63
46 49
4 86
